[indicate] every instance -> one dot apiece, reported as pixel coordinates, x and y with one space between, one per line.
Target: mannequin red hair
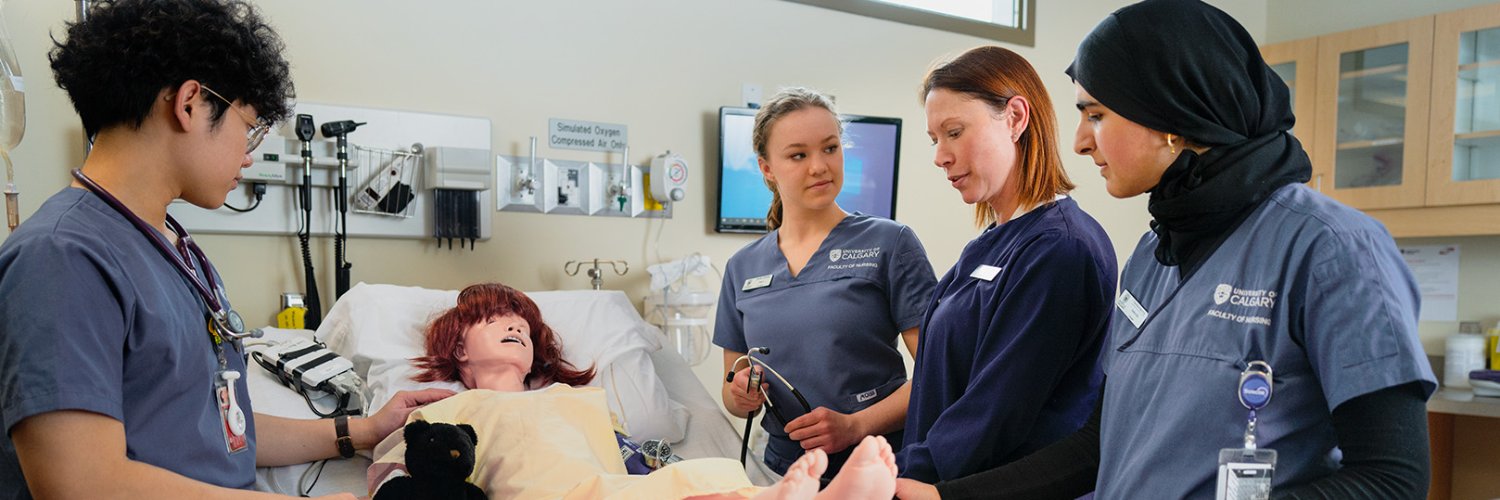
481 302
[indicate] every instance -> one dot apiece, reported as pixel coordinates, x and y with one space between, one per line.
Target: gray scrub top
1314 288
94 318
833 329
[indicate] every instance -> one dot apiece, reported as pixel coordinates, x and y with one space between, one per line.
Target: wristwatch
345 443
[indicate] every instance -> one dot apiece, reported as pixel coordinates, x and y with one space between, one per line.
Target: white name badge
757 282
985 272
1132 309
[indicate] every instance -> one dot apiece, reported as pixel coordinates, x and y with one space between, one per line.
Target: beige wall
1479 273
662 67
1293 19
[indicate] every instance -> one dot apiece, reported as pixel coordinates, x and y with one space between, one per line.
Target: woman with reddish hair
1010 346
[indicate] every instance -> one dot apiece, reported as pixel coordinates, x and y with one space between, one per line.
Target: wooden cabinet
1464 146
1295 62
1405 119
1370 142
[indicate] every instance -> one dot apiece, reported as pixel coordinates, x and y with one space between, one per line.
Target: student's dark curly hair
116 62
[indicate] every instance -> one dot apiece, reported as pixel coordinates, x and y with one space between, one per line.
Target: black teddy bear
439 458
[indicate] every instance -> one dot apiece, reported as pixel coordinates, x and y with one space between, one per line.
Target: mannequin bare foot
801 479
869 473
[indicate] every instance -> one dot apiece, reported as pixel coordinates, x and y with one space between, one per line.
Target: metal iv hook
596 274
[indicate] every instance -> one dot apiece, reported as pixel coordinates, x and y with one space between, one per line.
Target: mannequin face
497 345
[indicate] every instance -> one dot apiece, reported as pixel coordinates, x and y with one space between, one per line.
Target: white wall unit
385 129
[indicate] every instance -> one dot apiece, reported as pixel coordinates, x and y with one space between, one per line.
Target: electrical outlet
292 299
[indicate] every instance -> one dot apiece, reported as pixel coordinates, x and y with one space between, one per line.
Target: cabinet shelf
1474 138
1376 143
1375 71
1471 71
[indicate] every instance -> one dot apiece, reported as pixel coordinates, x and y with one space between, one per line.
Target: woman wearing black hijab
1246 274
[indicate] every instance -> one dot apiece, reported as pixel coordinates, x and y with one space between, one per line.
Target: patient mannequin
494 339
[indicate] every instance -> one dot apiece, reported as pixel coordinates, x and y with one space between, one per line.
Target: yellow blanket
556 442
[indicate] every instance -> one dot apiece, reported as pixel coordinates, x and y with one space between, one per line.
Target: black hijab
1185 67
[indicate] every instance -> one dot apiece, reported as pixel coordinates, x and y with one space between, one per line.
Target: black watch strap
345 443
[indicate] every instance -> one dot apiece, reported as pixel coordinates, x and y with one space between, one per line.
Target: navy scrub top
1009 358
833 329
1314 288
94 318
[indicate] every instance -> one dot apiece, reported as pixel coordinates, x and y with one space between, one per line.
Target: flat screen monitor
872 149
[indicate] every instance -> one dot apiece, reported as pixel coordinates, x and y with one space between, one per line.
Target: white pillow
380 328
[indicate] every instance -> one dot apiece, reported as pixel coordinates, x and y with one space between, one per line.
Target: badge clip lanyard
1246 473
1255 393
223 324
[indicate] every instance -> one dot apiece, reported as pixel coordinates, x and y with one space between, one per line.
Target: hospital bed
379 327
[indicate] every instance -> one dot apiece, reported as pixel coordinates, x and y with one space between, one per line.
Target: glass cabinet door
1371 117
1465 141
1295 62
1373 114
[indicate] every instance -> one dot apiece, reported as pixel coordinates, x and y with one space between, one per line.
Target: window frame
1024 35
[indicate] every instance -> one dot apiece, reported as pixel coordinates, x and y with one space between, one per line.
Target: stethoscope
222 322
754 383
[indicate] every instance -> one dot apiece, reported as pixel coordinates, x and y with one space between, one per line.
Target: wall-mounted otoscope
340 130
305 132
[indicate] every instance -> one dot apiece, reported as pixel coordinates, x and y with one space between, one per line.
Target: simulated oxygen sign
586 136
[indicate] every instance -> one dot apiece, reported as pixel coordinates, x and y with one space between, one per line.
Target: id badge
1245 474
231 418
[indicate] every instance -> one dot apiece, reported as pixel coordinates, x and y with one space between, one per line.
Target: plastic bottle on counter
1493 347
1465 353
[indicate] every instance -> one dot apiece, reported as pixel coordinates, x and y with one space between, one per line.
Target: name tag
1132 309
757 282
985 272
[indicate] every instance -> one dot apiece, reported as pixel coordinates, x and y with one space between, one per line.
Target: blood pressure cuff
645 457
630 453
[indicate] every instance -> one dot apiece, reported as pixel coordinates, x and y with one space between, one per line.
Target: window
1004 20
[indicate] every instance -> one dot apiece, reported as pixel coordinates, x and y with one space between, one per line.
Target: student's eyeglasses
258 128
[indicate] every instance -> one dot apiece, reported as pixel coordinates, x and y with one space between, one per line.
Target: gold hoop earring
1170 145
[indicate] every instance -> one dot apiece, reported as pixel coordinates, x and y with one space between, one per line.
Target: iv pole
83 15
14 129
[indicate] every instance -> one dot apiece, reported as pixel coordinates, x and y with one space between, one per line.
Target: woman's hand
826 429
744 400
911 489
392 416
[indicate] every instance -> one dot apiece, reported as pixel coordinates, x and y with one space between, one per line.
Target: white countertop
1463 402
